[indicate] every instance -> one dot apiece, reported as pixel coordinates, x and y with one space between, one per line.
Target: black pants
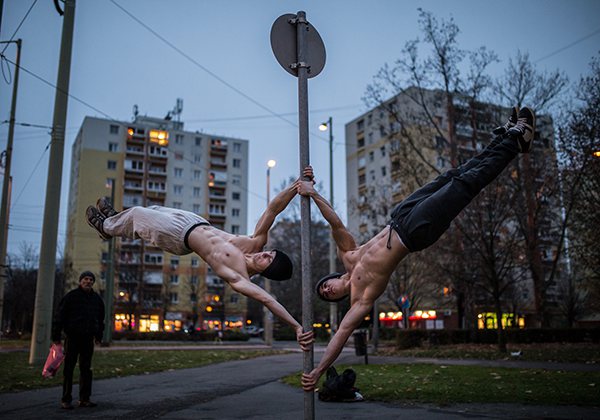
426 214
82 347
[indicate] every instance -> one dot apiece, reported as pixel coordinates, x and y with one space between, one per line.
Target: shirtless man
417 222
233 258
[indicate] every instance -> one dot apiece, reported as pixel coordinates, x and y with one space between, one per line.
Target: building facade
153 161
393 149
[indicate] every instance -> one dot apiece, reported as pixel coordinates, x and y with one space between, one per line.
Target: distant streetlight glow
597 153
271 163
323 126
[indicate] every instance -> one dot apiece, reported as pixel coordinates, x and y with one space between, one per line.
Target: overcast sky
117 63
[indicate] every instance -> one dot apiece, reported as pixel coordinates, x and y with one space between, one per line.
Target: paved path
250 389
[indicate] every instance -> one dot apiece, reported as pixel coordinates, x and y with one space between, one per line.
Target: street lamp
328 125
267 315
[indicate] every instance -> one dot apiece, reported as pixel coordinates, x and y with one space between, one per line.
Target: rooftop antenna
135 112
178 109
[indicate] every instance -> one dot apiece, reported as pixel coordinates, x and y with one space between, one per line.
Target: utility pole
109 319
5 209
44 293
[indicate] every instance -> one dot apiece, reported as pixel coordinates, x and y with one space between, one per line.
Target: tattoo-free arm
351 321
275 206
343 239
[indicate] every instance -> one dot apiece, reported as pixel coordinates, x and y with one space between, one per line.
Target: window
234 298
196 191
236 180
361 179
235 212
235 196
361 161
360 125
113 147
237 163
112 165
196 208
383 171
371 156
370 136
197 175
178 156
178 189
237 147
198 141
197 158
360 142
382 149
195 262
174 262
176 204
235 229
194 279
193 298
114 129
178 138
174 298
174 279
178 172
372 175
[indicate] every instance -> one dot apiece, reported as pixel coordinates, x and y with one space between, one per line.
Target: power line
568 46
29 178
19 26
256 117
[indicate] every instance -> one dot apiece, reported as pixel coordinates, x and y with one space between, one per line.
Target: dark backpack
339 387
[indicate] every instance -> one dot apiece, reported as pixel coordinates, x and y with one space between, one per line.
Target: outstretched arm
351 321
343 239
275 206
247 288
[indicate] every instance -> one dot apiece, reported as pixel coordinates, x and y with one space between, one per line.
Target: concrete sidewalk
250 389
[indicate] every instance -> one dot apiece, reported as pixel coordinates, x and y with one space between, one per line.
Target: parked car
252 330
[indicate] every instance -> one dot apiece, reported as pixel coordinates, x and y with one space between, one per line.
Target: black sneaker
512 121
87 404
96 220
524 130
103 205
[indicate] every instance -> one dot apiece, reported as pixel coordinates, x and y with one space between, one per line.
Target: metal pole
307 305
333 306
44 293
5 210
267 315
109 319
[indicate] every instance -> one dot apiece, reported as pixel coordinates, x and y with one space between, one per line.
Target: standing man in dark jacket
81 316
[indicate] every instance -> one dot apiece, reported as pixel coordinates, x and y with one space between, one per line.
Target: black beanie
281 268
323 280
87 274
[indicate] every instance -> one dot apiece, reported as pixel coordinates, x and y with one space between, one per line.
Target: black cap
87 274
323 280
281 268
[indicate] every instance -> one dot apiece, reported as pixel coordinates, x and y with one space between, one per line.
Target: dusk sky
118 63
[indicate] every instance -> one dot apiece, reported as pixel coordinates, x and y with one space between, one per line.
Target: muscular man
233 258
417 222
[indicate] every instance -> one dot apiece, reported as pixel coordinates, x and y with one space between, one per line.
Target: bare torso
371 265
221 249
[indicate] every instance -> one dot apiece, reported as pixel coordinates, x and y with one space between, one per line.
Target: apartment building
154 161
393 149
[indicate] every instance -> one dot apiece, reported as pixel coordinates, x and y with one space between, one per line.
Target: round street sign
283 43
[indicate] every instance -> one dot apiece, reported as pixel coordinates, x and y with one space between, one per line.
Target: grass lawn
443 385
17 374
550 352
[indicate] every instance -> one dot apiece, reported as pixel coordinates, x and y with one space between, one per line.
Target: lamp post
109 319
328 125
267 315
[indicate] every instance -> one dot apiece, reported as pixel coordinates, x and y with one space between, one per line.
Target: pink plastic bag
54 360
